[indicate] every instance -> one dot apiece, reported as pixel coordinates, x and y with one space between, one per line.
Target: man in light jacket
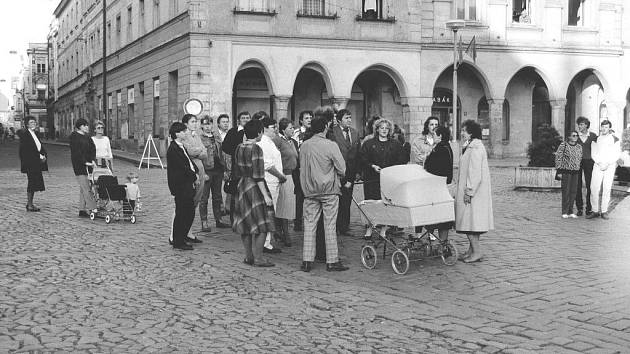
605 153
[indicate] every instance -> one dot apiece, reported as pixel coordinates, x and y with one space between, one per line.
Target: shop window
522 11
375 10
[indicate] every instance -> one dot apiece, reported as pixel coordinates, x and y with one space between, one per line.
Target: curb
118 154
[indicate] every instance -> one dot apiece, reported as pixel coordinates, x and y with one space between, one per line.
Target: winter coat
474 180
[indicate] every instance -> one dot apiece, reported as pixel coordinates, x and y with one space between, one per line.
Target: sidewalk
118 154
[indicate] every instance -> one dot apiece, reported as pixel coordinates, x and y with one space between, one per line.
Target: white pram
410 197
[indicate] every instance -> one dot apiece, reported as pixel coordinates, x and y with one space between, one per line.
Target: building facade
35 85
538 61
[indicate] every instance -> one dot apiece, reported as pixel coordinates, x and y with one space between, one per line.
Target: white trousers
274 189
602 182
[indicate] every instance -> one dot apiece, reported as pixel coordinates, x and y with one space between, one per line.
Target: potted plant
540 172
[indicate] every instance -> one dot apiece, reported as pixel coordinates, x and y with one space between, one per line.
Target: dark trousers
299 207
586 169
211 187
184 216
320 240
345 202
569 188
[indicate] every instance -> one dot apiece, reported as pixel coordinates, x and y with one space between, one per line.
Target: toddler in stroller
111 197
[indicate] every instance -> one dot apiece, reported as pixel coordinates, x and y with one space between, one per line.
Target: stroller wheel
132 219
368 256
448 252
400 262
108 219
92 215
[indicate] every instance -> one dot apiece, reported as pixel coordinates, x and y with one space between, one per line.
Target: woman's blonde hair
387 122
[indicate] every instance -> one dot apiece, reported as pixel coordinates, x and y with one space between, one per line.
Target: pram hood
411 186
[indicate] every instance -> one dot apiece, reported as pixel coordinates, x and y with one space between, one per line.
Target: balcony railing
316 9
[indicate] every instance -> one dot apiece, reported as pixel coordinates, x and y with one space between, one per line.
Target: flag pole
455 25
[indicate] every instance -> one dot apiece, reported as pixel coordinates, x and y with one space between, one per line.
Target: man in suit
347 139
182 180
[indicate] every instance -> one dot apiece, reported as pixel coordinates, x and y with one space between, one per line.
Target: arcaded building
538 61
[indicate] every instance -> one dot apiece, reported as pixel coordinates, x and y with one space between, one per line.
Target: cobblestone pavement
70 284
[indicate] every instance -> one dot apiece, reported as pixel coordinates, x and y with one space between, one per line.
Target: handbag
558 176
230 186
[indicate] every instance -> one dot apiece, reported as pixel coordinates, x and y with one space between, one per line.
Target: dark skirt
251 215
372 190
35 182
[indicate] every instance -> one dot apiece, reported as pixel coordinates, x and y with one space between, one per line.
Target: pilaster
281 107
558 115
496 127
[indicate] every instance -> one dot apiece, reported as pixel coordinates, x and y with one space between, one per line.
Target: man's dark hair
267 122
29 118
176 128
80 122
244 113
283 124
253 128
222 115
473 128
260 115
606 122
443 132
584 120
425 131
342 112
303 113
318 124
188 117
326 112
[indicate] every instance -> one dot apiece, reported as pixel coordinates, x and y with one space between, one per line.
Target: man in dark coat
585 139
83 154
182 177
347 139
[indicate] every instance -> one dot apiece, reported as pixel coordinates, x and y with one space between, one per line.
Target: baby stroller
410 197
111 197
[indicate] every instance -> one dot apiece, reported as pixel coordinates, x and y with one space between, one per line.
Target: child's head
132 177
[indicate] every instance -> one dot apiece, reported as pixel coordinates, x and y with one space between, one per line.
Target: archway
309 92
626 111
251 92
471 87
525 108
585 97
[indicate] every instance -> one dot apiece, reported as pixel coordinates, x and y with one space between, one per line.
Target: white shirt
133 192
222 134
103 147
181 145
272 158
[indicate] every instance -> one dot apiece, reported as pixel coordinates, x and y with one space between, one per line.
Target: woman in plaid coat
253 214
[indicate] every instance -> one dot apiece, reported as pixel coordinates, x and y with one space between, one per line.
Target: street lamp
455 25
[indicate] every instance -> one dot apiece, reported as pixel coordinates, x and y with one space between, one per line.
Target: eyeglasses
99 127
574 135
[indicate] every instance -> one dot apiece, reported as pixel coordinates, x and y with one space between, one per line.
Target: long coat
29 154
474 180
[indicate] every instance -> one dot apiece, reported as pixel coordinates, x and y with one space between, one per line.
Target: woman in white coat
473 201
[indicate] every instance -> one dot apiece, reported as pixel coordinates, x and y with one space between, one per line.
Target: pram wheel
108 219
368 256
448 252
92 215
400 262
132 219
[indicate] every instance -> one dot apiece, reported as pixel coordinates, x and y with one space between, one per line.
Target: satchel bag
230 186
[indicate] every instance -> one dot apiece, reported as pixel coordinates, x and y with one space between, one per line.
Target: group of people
585 155
272 173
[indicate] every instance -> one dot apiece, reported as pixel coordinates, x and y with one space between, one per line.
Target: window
314 7
141 22
466 9
254 5
118 29
522 11
43 68
156 13
129 22
109 35
576 12
374 10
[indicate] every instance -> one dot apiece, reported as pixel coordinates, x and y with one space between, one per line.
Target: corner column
496 127
281 107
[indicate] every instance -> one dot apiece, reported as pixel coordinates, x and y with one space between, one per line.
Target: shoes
472 260
221 225
565 216
265 264
605 216
83 214
249 261
336 267
32 208
271 250
580 213
306 266
184 247
193 240
592 215
204 226
573 216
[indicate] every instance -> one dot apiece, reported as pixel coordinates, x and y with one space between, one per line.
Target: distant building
35 86
537 62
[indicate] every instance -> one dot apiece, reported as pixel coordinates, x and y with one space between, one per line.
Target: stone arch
476 70
391 72
322 70
257 64
551 87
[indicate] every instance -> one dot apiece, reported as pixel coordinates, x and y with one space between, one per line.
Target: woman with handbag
568 158
33 160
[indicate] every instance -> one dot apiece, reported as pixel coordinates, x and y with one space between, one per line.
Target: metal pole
455 64
104 59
